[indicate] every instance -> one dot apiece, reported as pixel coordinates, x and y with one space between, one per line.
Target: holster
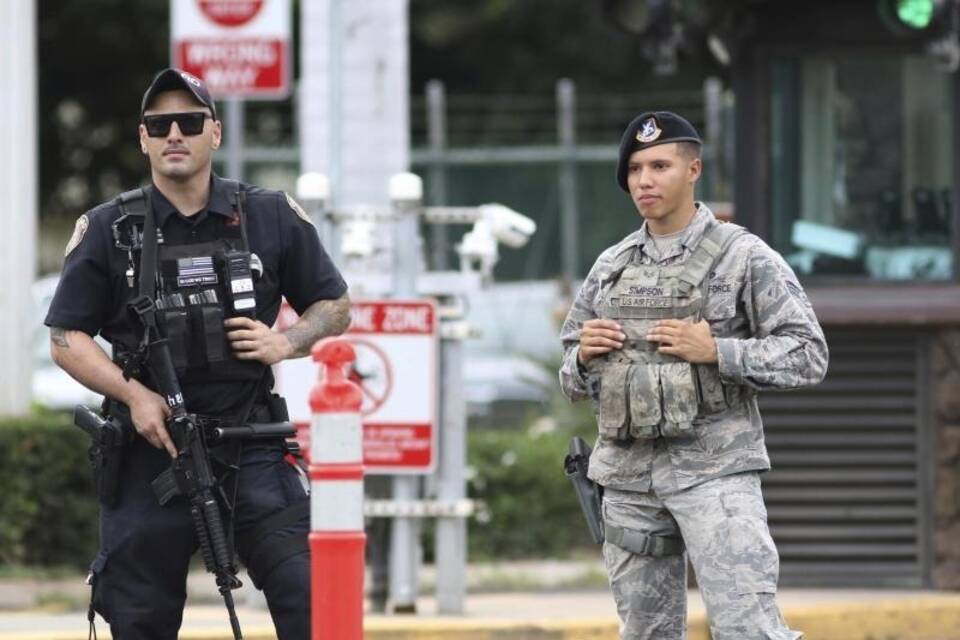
589 493
108 440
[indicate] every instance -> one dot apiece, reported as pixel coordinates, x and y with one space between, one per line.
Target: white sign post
240 48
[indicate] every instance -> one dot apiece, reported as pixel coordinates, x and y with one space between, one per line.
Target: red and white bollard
336 501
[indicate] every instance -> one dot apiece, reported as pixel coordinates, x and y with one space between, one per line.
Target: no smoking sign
396 369
373 372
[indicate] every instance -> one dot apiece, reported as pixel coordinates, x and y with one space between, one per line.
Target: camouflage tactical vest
643 393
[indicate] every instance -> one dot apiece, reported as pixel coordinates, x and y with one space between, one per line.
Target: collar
219 201
688 239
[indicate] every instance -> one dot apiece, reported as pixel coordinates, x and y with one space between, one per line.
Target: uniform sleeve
572 382
81 301
307 274
787 349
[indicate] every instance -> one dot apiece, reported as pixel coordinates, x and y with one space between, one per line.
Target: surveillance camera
479 246
313 186
358 240
509 227
405 187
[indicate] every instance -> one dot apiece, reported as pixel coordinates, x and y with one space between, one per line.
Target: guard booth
846 163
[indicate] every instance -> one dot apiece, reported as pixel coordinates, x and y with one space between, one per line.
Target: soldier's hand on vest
690 341
149 413
598 337
253 340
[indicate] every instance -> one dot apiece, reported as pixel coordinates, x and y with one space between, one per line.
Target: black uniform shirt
93 290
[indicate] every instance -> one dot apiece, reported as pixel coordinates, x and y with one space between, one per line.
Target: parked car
52 387
512 361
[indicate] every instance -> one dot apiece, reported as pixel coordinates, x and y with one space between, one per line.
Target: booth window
861 166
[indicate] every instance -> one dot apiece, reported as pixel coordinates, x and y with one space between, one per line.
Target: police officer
672 334
225 254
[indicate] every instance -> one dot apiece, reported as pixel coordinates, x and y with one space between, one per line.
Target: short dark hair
689 150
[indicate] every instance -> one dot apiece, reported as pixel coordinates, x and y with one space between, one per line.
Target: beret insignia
649 131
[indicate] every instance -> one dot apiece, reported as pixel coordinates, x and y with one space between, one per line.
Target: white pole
18 209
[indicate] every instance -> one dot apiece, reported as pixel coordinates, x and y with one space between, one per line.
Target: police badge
297 209
649 131
79 230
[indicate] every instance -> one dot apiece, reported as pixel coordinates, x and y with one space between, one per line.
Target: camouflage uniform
670 472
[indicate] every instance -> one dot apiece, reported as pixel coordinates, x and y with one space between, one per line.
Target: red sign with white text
230 13
240 48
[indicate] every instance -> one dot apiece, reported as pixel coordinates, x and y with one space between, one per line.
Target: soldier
224 254
674 331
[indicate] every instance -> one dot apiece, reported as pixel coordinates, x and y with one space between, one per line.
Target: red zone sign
396 369
240 48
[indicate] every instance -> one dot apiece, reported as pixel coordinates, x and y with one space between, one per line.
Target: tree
95 58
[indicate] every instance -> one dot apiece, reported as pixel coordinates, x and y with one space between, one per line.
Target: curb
930 617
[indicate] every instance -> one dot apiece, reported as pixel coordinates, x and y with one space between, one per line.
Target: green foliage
48 512
528 507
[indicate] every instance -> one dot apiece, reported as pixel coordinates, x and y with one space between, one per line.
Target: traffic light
921 17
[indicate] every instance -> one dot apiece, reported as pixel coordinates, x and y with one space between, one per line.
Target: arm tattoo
321 319
58 335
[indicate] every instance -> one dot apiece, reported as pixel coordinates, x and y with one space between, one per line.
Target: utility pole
18 211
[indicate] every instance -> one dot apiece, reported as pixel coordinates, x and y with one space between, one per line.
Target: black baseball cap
648 130
172 79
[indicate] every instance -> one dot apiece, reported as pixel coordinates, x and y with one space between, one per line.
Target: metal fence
552 157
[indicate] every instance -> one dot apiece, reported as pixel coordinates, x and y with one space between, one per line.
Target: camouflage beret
648 130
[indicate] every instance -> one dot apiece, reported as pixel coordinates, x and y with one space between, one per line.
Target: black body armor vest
195 286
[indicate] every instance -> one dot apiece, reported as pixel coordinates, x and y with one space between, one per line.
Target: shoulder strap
714 242
148 256
238 199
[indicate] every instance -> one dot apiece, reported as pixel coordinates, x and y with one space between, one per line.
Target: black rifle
191 468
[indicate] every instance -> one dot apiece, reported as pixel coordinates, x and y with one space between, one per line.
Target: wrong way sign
396 368
240 48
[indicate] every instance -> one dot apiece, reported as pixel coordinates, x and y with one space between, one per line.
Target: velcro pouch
175 324
679 394
644 398
712 396
613 401
214 337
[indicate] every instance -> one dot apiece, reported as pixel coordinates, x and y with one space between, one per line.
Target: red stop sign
230 13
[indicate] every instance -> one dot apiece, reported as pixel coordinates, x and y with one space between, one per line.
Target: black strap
264 557
238 198
643 543
281 519
148 257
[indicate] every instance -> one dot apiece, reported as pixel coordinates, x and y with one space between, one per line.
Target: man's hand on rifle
253 340
149 412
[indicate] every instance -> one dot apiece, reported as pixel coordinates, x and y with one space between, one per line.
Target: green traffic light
916 14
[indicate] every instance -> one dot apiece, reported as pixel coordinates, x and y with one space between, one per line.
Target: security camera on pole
406 192
414 418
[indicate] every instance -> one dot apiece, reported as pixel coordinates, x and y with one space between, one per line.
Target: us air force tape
79 230
297 208
648 130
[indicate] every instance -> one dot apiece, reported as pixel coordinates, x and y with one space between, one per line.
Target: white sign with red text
240 48
396 368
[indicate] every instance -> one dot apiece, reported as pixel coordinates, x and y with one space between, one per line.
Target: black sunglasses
190 123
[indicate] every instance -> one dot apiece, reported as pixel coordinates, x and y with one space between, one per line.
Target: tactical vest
644 393
195 286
